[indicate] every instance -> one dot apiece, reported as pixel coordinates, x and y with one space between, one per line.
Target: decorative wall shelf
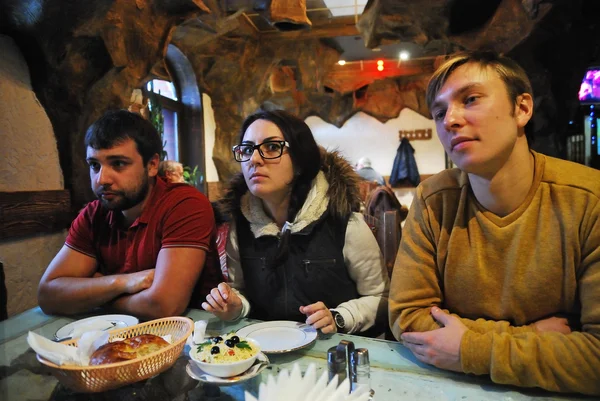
416 134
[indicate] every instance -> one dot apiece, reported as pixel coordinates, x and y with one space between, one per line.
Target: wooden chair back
365 188
388 234
387 231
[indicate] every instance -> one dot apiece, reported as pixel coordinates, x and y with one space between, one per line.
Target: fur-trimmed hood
335 189
344 192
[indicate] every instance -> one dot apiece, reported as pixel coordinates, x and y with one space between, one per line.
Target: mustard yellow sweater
500 274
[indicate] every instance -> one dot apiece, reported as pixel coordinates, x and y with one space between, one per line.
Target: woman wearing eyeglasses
296 249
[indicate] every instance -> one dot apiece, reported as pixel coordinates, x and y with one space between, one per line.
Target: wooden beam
348 78
34 212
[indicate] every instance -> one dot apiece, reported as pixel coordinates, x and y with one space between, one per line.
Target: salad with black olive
225 349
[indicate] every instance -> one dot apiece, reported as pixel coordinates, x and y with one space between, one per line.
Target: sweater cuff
476 352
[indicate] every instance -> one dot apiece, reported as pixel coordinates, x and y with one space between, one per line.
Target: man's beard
126 200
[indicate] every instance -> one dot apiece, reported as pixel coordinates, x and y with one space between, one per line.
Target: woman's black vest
314 270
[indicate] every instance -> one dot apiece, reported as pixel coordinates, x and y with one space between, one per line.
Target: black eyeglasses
266 150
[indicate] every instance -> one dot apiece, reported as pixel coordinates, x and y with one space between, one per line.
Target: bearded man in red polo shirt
145 247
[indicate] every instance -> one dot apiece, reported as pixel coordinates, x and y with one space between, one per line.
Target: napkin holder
346 361
339 362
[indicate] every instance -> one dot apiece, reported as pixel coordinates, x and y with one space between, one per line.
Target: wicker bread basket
88 379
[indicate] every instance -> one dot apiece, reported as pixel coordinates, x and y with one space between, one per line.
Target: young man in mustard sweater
498 272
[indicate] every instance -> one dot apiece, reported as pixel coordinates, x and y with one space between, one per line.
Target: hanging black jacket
405 165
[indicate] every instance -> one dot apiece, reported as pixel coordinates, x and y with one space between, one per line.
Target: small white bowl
225 369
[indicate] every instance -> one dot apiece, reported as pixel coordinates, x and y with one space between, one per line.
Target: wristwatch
338 319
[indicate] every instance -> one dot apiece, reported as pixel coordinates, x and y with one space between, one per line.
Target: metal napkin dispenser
345 361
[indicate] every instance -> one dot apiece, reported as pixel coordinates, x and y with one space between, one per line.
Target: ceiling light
342 62
404 55
377 49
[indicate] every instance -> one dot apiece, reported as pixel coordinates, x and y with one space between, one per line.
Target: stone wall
87 57
28 162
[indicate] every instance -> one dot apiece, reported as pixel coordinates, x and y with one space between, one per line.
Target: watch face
339 320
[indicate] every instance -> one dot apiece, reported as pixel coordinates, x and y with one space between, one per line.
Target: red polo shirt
175 215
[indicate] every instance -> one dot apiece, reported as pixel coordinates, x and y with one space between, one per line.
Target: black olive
217 340
229 343
215 350
235 339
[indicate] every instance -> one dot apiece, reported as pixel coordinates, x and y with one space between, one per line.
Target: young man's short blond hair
509 71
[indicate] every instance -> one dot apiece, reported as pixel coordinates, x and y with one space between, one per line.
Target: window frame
175 106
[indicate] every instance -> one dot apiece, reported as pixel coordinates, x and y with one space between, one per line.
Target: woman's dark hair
306 160
116 126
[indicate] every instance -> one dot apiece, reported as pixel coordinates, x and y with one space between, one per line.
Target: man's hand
555 324
223 302
440 347
319 317
138 281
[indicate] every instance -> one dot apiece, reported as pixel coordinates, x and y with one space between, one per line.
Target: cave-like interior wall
87 57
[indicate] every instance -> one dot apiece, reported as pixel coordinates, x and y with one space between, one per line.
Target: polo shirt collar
115 219
160 187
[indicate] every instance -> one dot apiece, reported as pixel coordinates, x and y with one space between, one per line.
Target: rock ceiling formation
494 24
88 56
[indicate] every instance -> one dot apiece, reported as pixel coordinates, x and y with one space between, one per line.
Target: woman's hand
223 302
319 317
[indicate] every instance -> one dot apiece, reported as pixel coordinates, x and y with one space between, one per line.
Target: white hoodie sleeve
234 268
366 267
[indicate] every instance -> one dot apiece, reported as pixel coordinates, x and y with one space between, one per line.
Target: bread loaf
128 349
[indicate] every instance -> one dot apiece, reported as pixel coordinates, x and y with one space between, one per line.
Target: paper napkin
88 343
292 386
199 331
57 353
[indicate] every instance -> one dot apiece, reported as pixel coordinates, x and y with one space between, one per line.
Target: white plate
280 336
198 374
118 321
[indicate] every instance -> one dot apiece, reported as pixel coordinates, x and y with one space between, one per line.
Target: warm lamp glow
404 55
342 62
380 63
380 67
